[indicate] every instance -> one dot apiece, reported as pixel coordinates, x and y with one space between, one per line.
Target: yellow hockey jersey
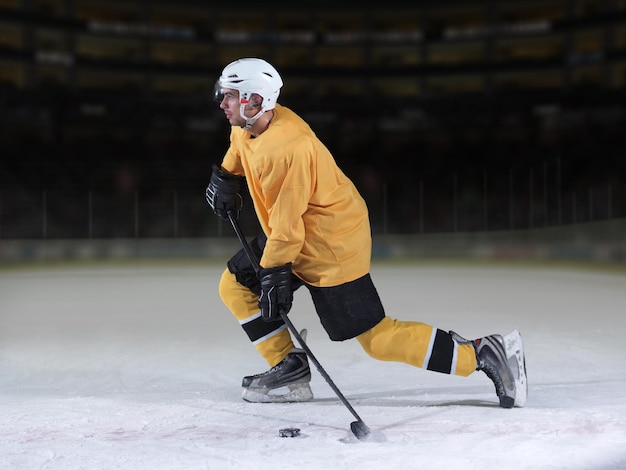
309 209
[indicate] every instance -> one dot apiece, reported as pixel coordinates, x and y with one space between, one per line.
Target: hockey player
316 234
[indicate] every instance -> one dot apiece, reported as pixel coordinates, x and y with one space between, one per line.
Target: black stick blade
360 429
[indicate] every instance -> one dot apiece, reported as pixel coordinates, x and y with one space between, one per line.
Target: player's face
231 106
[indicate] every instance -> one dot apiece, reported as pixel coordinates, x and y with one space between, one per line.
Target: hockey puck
289 432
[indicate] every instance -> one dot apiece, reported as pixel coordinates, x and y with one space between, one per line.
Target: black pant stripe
442 354
257 328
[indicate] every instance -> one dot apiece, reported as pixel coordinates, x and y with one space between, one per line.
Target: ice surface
139 367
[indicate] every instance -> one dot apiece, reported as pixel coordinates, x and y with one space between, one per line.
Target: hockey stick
358 427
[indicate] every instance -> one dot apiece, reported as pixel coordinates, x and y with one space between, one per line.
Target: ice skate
287 381
503 360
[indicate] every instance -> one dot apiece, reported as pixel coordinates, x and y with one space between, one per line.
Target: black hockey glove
276 292
222 193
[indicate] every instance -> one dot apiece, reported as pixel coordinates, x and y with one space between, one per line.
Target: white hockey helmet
250 76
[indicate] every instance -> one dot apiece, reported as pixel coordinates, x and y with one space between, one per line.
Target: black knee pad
240 265
244 272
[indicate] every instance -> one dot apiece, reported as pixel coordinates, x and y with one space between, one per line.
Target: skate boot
503 360
287 381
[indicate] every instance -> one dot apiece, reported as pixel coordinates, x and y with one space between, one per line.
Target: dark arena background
489 141
452 117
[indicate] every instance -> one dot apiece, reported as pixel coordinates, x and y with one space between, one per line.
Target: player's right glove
276 292
222 193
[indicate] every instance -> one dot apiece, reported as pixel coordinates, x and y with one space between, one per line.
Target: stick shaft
289 323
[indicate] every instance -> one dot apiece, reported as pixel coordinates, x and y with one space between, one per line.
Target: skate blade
514 347
292 393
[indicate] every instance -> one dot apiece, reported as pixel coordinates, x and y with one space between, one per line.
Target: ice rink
139 366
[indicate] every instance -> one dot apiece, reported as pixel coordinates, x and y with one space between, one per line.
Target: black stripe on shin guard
442 353
258 328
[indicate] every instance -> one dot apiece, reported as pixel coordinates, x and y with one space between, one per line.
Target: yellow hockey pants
413 343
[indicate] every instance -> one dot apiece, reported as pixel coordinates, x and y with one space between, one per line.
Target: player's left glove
276 292
222 193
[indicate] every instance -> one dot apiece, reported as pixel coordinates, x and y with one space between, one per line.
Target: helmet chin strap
249 120
244 100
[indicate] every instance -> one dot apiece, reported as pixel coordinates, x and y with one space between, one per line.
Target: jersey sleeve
287 182
232 159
